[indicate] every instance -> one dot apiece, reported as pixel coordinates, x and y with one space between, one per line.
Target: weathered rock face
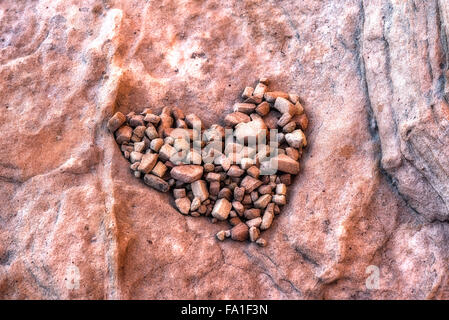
371 75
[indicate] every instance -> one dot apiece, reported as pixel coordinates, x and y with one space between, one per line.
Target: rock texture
374 188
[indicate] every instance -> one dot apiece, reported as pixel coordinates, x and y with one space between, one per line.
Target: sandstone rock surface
374 185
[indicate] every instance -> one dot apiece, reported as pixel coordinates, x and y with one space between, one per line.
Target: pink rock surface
373 189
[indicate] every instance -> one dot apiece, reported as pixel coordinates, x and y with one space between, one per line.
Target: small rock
135 157
148 161
221 209
272 96
156 144
260 90
251 213
183 205
284 163
196 203
284 106
253 171
284 119
151 132
265 189
199 189
136 120
247 92
292 153
156 182
123 134
296 139
209 167
268 217
238 207
152 118
177 113
247 200
286 179
212 176
221 235
281 189
263 201
261 242
225 193
179 193
254 222
239 193
279 199
116 121
235 118
235 171
139 146
294 98
263 108
214 188
194 122
250 183
244 107
139 131
289 127
254 234
187 173
254 196
159 169
246 163
239 232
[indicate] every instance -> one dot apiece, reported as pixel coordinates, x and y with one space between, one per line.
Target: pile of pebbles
217 172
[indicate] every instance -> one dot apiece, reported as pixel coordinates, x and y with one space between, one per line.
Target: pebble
254 222
196 203
273 95
235 118
199 189
281 189
263 108
296 139
261 242
187 173
159 169
147 162
123 134
116 121
284 106
263 201
179 193
221 209
279 199
250 183
244 107
268 217
183 205
254 234
156 182
240 232
251 213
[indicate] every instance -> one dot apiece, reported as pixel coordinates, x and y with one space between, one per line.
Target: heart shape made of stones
237 172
